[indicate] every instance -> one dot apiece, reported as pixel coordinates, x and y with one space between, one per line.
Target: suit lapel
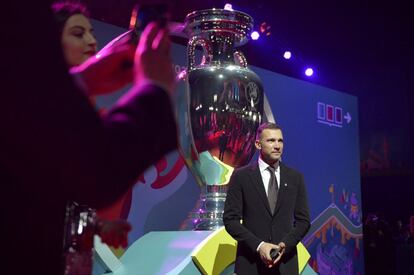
258 185
282 188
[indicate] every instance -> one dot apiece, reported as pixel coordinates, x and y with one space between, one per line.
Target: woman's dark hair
64 9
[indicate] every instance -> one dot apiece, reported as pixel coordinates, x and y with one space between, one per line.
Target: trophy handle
192 44
240 59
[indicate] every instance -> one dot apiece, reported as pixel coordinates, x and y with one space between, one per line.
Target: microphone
274 253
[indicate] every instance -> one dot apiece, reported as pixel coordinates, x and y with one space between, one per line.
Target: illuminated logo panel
332 115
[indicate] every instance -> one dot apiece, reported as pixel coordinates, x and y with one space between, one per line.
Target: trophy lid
219 20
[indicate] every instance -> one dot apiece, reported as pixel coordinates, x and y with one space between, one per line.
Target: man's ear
257 144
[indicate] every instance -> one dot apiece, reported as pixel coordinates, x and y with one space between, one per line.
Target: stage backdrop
320 129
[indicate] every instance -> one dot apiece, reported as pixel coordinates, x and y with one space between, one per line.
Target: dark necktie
272 189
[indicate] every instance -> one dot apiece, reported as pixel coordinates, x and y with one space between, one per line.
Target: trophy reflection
220 109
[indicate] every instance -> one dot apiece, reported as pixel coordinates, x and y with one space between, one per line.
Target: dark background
363 48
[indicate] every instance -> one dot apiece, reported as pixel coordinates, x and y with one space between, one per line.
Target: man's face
270 145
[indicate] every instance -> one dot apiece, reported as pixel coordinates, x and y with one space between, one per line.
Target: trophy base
210 208
203 221
207 220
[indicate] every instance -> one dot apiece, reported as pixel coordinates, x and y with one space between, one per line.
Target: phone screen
143 14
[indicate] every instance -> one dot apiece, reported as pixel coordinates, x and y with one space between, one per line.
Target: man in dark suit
54 146
266 208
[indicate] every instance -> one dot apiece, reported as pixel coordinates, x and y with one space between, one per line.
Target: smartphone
143 14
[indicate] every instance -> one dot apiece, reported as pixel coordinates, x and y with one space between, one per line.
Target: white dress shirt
266 174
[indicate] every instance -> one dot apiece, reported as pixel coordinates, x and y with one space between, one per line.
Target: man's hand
264 252
107 71
282 247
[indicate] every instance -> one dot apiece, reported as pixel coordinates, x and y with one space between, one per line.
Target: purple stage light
287 55
309 71
255 35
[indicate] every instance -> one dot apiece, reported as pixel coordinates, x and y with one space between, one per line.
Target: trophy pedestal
208 214
180 253
173 253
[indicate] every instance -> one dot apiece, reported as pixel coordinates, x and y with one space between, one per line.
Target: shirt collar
263 165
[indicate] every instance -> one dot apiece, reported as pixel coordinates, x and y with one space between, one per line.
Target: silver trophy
219 110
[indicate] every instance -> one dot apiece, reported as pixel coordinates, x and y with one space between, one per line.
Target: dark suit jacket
54 147
246 200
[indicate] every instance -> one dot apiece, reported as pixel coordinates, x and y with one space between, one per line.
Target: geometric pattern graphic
336 241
